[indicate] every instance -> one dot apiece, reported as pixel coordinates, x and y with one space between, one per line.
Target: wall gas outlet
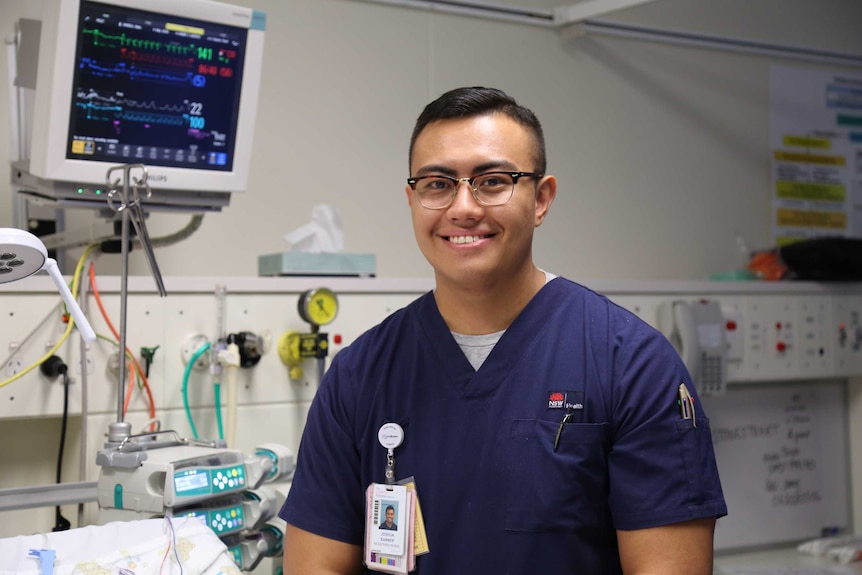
190 346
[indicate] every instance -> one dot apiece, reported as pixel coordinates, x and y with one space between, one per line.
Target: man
389 523
541 422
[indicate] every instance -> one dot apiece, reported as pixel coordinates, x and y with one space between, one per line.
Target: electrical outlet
14 367
113 365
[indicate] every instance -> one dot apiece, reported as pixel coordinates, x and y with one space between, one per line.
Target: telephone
696 331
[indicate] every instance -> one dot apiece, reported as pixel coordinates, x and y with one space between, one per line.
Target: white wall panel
273 406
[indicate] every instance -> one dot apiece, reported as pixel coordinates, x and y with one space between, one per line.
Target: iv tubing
217 394
189 366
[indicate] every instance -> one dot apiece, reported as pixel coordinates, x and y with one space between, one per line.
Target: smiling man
389 521
540 421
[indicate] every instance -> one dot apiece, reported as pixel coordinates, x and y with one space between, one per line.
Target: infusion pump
162 475
154 472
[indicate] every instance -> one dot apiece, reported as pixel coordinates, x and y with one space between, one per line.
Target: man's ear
546 191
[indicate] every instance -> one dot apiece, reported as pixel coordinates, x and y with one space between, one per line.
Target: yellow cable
69 325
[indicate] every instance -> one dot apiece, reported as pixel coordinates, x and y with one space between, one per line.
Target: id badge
388 528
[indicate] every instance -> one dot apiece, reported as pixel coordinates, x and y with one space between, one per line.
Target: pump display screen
191 481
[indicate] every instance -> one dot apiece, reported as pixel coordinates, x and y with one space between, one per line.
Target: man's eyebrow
479 169
494 165
435 169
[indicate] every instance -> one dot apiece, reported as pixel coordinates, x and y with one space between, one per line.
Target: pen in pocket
686 405
567 418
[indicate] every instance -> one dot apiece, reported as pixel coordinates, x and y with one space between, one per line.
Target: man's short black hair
479 101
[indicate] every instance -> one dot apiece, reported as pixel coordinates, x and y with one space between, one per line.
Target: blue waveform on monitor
94 98
151 118
134 73
110 113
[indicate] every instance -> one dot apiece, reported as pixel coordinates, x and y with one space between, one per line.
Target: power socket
113 365
14 367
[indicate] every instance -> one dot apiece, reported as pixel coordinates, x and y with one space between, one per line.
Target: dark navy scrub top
495 496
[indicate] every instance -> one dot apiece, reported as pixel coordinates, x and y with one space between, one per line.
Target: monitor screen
155 89
169 84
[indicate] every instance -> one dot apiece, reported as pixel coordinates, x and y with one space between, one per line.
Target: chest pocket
562 490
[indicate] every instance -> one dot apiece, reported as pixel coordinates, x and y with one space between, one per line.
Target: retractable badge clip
390 435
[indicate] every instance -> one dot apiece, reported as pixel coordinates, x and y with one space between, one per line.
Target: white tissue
323 234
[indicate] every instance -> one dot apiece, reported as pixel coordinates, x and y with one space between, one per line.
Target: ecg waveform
123 41
179 54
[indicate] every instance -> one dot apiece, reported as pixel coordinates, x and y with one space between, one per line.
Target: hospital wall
661 151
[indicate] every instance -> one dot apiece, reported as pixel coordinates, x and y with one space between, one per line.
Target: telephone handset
696 331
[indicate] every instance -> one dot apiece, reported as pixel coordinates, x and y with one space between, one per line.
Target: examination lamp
21 255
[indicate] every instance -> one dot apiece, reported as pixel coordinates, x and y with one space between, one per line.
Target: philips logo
157 178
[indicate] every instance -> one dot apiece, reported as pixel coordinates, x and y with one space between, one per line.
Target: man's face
390 516
468 242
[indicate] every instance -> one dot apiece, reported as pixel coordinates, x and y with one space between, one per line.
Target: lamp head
21 255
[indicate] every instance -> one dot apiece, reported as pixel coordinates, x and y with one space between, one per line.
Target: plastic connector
53 367
282 460
229 357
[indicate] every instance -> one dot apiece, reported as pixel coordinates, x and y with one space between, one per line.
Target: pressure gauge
318 306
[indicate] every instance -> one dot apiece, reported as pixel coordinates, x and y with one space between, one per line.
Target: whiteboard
782 452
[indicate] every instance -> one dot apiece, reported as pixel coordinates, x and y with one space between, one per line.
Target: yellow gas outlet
288 352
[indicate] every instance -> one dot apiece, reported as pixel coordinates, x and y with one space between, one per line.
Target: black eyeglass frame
457 181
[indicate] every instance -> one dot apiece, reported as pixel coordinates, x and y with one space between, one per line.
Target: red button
730 325
337 339
780 346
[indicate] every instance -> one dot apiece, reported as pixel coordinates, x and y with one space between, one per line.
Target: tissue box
320 264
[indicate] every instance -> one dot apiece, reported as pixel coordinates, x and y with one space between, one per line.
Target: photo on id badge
390 512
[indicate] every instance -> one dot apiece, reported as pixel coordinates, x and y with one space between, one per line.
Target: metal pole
124 293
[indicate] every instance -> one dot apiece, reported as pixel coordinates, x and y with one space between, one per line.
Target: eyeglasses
437 192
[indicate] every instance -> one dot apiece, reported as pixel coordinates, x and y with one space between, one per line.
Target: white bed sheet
143 547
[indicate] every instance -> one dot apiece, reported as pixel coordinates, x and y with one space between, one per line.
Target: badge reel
390 436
